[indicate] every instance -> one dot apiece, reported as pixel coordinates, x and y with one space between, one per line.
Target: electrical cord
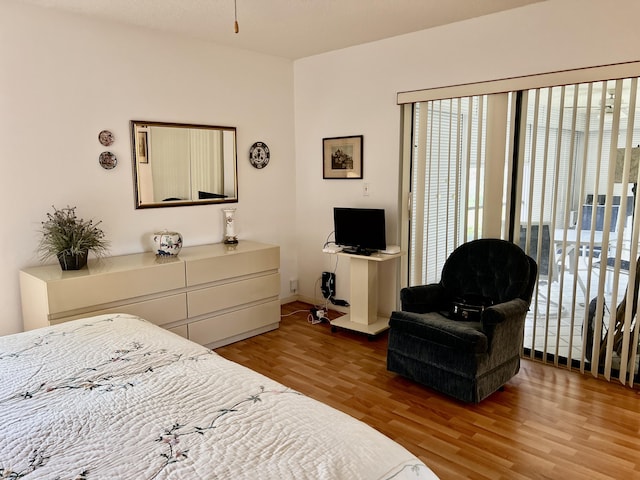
326 300
328 242
292 313
319 310
313 320
331 298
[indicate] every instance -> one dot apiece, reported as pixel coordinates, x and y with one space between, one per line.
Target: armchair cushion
466 336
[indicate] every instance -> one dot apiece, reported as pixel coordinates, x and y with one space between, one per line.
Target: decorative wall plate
108 160
259 155
106 138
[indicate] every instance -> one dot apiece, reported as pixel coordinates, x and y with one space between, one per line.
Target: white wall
353 91
64 78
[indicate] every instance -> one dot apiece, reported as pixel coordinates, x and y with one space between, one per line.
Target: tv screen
360 230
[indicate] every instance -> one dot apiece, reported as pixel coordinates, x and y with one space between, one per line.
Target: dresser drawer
236 263
159 310
234 294
181 330
78 291
233 326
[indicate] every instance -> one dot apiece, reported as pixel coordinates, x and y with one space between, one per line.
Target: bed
116 397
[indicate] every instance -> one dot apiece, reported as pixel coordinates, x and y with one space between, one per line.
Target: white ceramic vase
167 243
230 236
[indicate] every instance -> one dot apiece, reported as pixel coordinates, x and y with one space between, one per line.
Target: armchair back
490 267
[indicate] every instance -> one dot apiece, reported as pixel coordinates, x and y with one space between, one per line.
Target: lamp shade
633 167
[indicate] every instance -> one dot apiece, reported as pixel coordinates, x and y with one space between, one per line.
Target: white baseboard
289 299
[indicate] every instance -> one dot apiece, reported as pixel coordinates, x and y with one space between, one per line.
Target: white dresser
212 294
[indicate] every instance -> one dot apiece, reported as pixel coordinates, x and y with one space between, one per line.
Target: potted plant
70 238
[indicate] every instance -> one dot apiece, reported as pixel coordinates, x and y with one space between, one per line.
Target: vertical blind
577 218
170 171
206 161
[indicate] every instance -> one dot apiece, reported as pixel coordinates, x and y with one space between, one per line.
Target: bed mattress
116 397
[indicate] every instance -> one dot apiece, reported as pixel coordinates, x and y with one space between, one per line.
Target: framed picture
143 147
342 157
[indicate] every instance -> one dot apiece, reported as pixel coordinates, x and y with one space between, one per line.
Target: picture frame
142 145
342 157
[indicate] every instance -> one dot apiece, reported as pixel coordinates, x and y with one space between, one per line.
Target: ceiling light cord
235 16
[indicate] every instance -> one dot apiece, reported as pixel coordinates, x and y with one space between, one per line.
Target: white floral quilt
115 397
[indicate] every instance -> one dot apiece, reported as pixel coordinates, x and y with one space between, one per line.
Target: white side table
363 316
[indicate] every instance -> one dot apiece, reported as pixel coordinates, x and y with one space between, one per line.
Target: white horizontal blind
447 170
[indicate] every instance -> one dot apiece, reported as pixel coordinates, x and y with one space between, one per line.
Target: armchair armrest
423 298
500 312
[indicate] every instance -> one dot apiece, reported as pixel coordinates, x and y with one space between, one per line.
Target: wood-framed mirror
176 164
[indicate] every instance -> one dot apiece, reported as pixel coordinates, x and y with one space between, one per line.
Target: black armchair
472 358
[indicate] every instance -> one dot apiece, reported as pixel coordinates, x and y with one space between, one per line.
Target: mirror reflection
182 164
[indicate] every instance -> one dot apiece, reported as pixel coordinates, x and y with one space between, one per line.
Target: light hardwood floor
546 424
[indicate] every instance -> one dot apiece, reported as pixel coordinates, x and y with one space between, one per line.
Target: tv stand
363 316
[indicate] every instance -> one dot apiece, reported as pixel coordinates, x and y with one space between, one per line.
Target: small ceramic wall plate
108 160
259 155
106 138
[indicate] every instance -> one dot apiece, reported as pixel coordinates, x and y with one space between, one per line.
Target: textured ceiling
285 28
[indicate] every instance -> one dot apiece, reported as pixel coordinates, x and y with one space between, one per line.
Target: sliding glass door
575 214
553 169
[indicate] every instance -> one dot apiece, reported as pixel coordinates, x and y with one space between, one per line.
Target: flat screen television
360 230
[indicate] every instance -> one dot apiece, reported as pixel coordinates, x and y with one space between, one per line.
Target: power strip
318 315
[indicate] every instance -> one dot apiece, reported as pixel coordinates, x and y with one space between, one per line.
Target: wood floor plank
547 423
